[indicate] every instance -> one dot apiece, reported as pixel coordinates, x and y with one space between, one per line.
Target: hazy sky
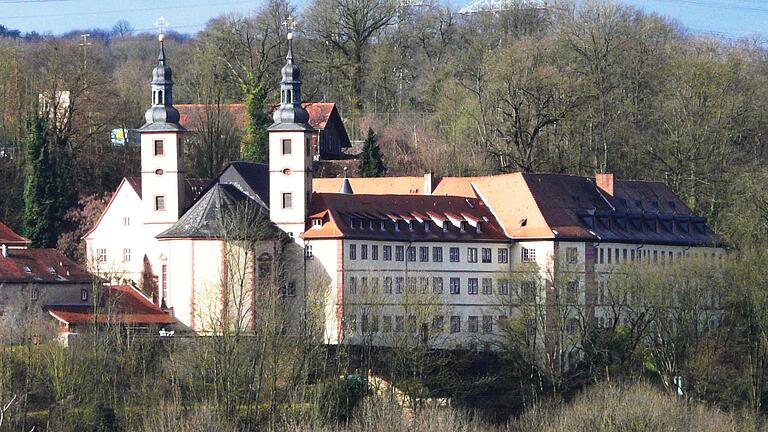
728 18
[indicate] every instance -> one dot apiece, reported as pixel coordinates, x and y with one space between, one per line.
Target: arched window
160 97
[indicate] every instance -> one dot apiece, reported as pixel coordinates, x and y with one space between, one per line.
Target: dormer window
397 226
463 226
317 222
478 229
27 269
382 225
410 225
51 270
426 226
445 226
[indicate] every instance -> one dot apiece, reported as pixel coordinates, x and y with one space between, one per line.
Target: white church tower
290 152
162 153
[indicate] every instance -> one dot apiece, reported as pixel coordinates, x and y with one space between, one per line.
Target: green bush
338 398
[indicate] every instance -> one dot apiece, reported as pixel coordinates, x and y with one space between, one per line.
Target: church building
440 261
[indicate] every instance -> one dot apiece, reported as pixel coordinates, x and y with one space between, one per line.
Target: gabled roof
360 216
372 185
40 266
319 113
120 304
10 238
241 184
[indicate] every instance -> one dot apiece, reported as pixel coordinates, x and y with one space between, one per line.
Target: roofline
57 317
109 204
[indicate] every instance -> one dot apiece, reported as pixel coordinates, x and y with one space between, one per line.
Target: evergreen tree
371 159
256 139
47 191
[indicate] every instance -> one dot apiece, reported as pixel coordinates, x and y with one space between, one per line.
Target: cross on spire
288 23
162 26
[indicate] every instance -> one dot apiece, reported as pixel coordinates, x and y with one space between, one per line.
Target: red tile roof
319 113
10 238
122 304
360 216
40 266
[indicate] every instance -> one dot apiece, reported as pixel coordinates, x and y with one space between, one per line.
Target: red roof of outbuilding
10 238
40 266
122 305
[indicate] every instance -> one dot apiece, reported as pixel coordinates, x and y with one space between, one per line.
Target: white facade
290 179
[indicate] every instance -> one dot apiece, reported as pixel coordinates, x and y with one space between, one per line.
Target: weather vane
162 25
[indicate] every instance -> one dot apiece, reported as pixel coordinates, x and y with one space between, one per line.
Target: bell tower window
287 200
286 144
160 97
158 147
160 203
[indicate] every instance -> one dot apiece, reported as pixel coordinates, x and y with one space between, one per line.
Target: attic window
27 269
410 225
51 270
382 225
463 226
479 229
445 226
397 226
523 222
426 226
317 222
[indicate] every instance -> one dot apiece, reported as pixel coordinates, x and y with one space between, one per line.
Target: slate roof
40 266
10 238
120 304
240 184
405 218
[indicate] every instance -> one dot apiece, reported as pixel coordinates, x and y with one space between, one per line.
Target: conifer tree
256 139
371 159
39 211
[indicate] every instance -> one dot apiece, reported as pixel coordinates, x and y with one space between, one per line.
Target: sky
726 18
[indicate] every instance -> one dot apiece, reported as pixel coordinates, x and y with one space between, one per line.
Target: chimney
428 183
604 181
4 250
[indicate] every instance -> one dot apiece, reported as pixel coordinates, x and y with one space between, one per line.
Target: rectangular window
437 323
364 284
364 327
126 221
472 324
386 324
424 284
158 147
308 147
290 289
387 285
353 285
101 255
126 255
159 203
571 255
455 324
84 294
487 324
572 290
454 254
352 251
399 253
487 254
399 324
437 285
35 293
411 285
527 291
364 252
412 323
374 252
632 255
487 286
287 200
601 256
455 285
398 285
528 255
503 255
375 324
616 255
503 286
472 286
286 146
411 254
471 255
624 255
437 254
387 253
424 254
610 255
308 251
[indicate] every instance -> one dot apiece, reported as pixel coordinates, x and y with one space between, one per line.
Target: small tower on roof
290 156
163 184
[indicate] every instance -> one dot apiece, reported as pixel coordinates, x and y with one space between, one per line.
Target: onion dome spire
162 115
290 115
